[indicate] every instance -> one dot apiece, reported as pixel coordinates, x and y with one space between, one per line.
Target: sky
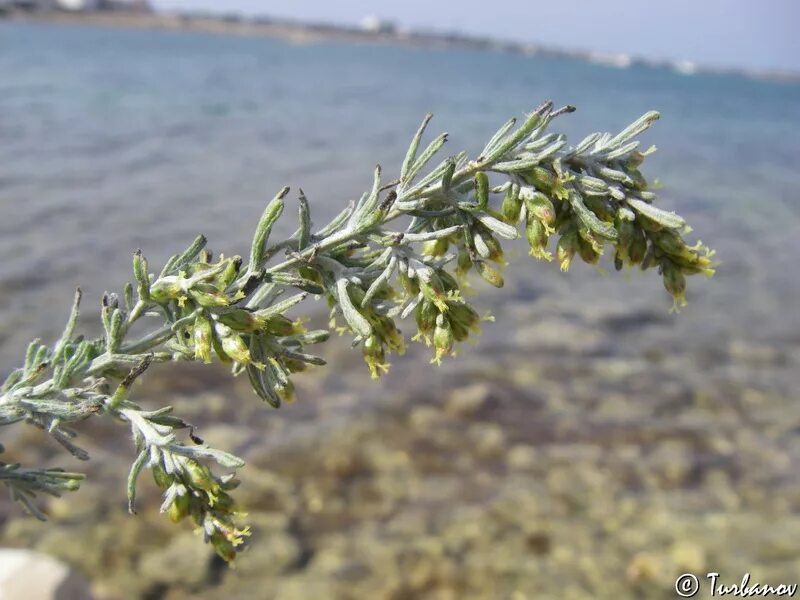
762 34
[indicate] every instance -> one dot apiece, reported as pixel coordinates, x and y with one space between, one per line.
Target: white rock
26 575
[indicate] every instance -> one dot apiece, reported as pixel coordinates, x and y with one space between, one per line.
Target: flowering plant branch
373 273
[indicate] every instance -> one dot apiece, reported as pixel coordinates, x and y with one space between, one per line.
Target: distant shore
307 33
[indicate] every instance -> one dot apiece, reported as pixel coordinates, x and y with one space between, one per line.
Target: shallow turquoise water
116 139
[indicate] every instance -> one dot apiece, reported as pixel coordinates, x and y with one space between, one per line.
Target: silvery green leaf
114 331
504 230
515 166
539 143
69 329
172 492
13 378
635 128
263 384
589 219
148 430
379 282
368 203
281 307
434 175
418 269
26 500
78 360
612 174
592 184
304 217
315 336
301 356
431 235
670 220
412 304
275 367
157 457
127 294
495 139
411 154
408 206
297 281
480 245
190 254
337 221
264 295
548 151
167 269
616 193
141 275
426 155
133 475
63 438
623 150
185 321
270 215
447 176
223 459
61 407
357 322
520 134
586 142
601 143
625 214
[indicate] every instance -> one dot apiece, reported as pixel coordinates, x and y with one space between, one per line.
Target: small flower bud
199 476
648 224
165 289
600 207
374 355
232 345
541 207
241 320
437 247
223 547
495 248
179 508
207 295
161 478
537 234
280 325
489 274
675 283
465 315
231 272
626 231
565 251
638 247
203 338
619 262
287 392
587 252
464 265
511 207
481 189
410 286
448 281
671 243
442 338
540 177
425 315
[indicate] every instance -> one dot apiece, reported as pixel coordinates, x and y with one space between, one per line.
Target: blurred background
592 444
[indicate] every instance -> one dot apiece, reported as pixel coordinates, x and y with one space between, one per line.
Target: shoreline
303 33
